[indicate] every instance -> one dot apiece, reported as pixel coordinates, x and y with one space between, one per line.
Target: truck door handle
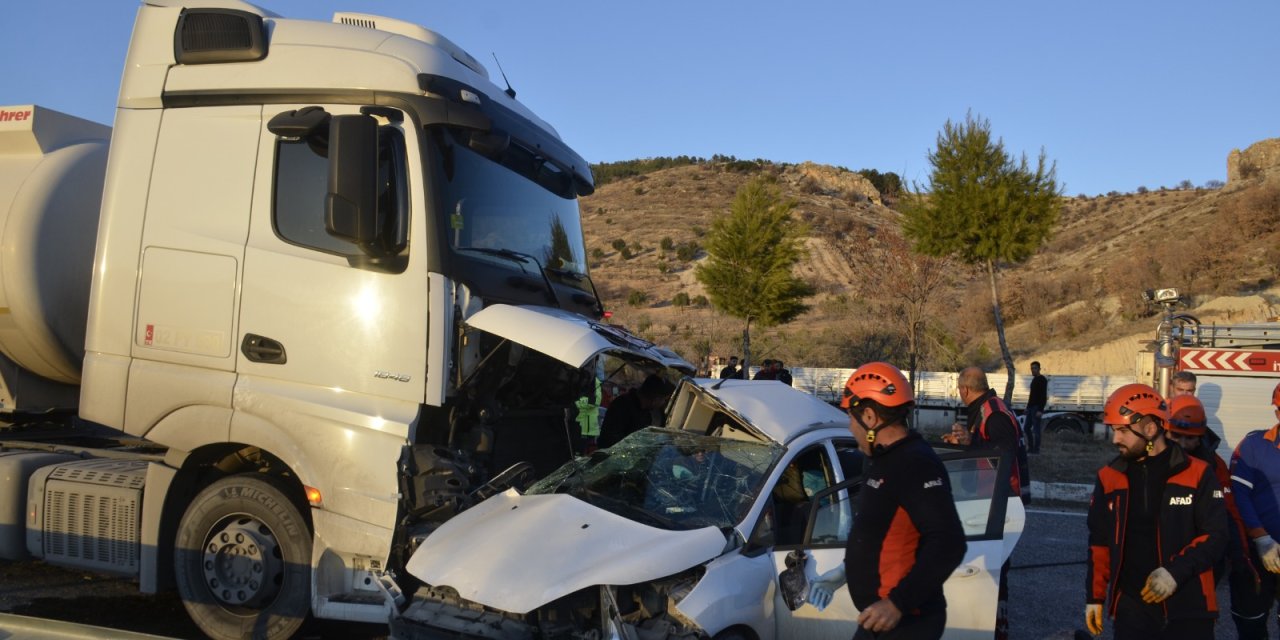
262 349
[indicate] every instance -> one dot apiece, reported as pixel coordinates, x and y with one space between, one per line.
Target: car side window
301 185
979 495
808 473
850 458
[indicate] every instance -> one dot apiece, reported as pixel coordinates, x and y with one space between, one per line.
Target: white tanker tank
51 177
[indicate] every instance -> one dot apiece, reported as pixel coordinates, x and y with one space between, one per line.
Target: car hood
516 553
569 337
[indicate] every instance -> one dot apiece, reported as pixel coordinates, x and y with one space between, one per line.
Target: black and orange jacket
907 537
993 426
1191 534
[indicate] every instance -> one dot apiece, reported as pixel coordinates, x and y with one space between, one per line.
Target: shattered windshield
669 479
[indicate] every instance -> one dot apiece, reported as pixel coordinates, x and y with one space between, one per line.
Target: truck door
331 348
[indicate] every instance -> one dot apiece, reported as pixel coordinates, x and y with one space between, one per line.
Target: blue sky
1119 94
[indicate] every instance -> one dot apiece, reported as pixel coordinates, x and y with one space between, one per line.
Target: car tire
242 560
733 634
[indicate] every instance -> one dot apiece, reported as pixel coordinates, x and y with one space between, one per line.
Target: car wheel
733 634
242 560
1067 422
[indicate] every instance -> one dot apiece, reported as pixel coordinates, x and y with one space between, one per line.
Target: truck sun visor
210 36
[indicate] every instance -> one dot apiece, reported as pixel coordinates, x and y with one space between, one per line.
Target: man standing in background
1183 383
1035 407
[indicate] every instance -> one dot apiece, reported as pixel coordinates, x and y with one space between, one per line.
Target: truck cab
339 284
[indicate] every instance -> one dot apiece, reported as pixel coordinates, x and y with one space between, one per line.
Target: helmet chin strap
871 432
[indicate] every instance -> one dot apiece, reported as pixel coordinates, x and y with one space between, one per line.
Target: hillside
1075 305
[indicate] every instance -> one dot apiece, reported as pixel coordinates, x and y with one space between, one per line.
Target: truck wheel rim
242 563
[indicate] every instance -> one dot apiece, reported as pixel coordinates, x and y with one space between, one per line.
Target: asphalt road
1046 592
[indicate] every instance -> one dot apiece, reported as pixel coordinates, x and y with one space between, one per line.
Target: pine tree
983 208
751 252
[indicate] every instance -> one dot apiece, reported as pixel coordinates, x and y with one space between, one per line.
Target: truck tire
1067 422
242 560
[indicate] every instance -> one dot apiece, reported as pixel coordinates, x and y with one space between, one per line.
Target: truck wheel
1067 422
242 560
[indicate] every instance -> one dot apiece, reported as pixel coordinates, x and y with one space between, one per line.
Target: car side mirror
351 205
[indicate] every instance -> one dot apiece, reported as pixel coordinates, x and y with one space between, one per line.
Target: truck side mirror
351 206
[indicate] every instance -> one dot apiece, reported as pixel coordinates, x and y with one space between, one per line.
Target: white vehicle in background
684 532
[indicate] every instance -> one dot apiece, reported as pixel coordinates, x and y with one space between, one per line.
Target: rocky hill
1075 305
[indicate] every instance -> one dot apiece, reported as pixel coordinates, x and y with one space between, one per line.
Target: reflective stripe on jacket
1191 534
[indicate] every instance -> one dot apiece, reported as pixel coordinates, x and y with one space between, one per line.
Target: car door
992 522
819 542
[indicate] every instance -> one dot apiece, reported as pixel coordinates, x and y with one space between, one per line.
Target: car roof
776 410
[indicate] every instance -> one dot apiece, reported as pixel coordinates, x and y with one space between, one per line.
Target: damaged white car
687 531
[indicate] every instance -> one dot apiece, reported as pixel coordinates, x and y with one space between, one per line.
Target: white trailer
1074 402
321 283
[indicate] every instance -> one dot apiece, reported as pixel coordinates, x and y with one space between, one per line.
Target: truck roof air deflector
211 36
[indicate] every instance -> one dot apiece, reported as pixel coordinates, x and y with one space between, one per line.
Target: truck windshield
512 201
669 479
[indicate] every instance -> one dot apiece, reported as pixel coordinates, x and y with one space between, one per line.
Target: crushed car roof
776 410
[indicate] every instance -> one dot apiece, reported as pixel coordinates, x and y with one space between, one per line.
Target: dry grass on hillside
1080 290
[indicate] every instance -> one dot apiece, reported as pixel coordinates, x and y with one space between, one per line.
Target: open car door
992 521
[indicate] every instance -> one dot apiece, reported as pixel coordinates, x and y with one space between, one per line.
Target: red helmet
878 381
1131 403
1186 416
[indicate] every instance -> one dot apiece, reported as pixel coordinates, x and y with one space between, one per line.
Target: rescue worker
634 410
907 538
1157 525
993 426
1183 383
1255 480
1189 428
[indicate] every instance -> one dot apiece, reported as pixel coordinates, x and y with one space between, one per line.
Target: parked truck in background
1237 366
1074 402
321 287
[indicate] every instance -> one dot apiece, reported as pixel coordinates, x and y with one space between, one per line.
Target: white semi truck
321 287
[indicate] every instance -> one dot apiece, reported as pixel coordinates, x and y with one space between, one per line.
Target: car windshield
669 479
515 204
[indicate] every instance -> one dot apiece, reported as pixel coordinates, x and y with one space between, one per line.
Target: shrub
680 300
626 253
700 301
619 244
637 298
687 251
663 267
639 190
597 253
667 244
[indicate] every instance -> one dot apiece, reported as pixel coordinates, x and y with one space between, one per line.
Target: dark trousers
1031 426
926 626
1140 629
1252 594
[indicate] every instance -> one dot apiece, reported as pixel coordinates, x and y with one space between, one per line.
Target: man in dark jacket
1035 408
1157 526
907 537
731 370
634 410
993 426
